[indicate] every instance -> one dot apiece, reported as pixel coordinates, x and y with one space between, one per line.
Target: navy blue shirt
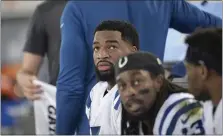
79 20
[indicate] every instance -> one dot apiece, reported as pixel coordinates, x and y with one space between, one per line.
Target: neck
215 91
111 84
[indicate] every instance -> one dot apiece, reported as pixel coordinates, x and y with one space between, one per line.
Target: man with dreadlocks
149 104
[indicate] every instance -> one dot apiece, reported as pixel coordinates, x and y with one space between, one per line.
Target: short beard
108 75
148 112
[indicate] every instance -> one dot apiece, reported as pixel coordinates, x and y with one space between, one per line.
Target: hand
25 82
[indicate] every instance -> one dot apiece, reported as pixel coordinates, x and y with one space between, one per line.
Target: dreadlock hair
127 30
131 127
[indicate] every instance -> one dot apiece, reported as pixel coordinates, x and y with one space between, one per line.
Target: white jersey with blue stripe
179 115
98 109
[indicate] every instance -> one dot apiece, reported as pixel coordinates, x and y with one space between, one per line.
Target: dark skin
108 47
138 91
203 81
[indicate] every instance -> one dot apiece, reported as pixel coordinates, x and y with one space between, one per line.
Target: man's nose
131 91
102 54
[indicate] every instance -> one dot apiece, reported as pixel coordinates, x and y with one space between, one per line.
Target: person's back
152 20
52 17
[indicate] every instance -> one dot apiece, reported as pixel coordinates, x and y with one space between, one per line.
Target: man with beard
204 69
149 103
112 39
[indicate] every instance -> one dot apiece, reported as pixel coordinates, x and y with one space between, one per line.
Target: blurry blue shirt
76 77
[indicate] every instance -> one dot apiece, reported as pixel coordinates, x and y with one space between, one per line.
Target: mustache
144 91
104 61
135 100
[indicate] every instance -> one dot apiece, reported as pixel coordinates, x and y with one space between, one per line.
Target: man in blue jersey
80 18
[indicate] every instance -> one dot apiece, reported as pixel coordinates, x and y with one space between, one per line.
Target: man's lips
103 66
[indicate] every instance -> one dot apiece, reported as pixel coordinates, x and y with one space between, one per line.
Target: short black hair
127 30
209 41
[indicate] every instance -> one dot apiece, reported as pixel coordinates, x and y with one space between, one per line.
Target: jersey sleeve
36 41
181 114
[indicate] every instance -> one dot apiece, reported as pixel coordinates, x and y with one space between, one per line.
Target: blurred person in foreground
112 39
43 39
152 20
203 62
150 104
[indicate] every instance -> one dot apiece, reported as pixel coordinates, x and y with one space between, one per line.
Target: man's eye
121 86
136 82
112 47
95 48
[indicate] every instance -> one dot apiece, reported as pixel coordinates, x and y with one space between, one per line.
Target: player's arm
187 17
34 50
70 84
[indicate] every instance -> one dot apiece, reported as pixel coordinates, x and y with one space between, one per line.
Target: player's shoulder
177 98
96 91
99 87
48 6
44 7
175 101
178 110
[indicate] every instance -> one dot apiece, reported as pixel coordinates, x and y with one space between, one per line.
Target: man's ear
134 49
203 72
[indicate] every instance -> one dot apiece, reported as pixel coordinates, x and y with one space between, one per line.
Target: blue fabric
95 130
7 120
151 19
178 70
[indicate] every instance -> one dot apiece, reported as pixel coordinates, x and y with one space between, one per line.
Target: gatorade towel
45 110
